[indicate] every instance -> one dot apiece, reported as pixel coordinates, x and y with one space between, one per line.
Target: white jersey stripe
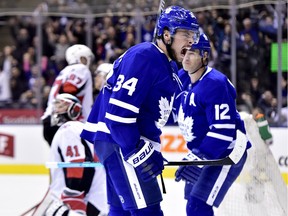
124 105
120 119
220 136
218 184
224 126
100 126
134 184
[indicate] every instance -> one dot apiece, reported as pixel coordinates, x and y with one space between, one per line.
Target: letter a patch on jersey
192 102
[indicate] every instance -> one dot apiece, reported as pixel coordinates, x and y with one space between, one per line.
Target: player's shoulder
71 126
78 68
214 77
147 49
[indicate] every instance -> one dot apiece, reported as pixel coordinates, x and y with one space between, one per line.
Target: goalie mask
66 107
175 17
74 53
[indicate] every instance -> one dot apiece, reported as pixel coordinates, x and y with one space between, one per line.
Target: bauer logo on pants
6 145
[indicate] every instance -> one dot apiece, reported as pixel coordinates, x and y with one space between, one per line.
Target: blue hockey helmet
175 17
203 45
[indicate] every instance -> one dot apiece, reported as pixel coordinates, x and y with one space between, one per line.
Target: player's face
60 106
99 81
182 40
192 60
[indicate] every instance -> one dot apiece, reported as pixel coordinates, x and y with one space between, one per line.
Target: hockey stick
233 158
29 210
160 9
54 165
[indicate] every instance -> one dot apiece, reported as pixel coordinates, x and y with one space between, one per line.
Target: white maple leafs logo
185 125
165 110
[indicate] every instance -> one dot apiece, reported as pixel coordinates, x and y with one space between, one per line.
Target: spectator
5 91
18 85
250 29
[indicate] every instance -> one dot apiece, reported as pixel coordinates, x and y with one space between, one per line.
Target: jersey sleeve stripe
220 136
120 119
100 126
226 126
124 105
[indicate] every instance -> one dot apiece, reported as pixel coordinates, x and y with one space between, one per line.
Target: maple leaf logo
165 110
185 125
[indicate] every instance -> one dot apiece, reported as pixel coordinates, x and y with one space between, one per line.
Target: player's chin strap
202 66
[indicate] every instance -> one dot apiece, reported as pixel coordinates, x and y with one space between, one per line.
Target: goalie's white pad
45 203
53 206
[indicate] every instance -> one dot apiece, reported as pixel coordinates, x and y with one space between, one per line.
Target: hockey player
73 190
100 75
208 120
75 79
126 119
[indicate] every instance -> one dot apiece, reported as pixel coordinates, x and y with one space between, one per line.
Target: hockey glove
147 161
74 199
56 207
190 173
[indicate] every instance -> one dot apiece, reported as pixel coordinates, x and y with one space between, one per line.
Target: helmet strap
168 48
203 65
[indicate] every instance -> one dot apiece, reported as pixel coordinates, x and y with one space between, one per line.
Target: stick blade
239 148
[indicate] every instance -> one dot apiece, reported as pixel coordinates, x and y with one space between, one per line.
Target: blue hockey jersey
207 114
137 99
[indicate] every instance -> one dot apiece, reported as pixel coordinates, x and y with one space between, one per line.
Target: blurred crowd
21 78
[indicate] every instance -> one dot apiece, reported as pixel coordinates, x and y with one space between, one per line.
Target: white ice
19 193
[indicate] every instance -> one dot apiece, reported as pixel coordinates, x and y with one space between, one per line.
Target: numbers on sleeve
221 111
75 79
129 84
72 151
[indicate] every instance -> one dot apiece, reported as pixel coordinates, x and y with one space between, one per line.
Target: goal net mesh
260 189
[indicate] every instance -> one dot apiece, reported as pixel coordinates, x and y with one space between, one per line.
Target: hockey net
260 189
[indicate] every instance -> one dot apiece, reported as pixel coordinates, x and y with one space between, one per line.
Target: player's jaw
180 50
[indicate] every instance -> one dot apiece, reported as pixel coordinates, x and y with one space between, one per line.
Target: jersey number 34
129 84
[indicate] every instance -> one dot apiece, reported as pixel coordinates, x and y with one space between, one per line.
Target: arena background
89 16
23 151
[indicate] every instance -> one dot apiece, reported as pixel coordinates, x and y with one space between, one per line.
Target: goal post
260 189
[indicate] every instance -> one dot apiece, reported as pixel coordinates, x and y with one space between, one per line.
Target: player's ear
206 57
167 36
